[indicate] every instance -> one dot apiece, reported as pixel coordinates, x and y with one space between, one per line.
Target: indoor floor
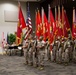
14 65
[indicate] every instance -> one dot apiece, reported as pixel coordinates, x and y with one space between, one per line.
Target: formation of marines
37 51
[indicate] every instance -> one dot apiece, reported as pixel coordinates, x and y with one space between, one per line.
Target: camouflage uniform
54 50
63 52
66 60
47 51
25 49
60 54
41 52
67 47
35 54
51 52
63 56
30 52
74 51
70 48
57 52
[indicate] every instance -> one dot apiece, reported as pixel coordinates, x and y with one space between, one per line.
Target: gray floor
13 65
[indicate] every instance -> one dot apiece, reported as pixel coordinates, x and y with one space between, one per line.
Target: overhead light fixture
73 0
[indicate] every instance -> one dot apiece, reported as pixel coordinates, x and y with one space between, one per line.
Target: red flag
21 18
52 21
19 34
74 25
45 28
56 23
66 25
50 26
21 25
67 22
65 33
53 28
36 18
50 33
60 26
38 24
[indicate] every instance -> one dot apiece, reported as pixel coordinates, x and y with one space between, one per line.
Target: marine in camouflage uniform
60 54
47 51
35 53
54 50
70 48
25 49
74 51
57 52
66 59
41 52
61 49
63 52
30 52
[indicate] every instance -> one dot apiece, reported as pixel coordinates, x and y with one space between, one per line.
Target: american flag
28 24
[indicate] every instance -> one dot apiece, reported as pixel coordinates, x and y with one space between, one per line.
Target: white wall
9 27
